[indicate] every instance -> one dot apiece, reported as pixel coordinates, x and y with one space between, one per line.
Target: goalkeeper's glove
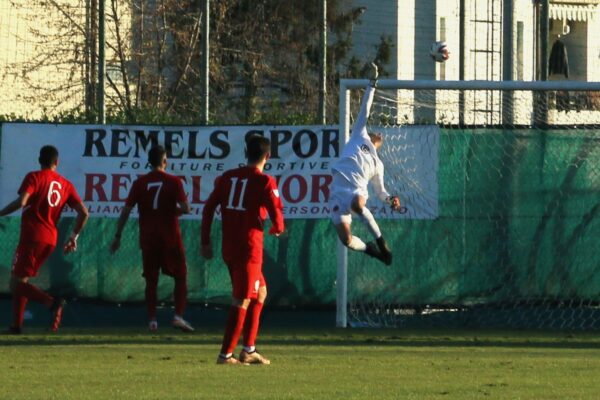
394 202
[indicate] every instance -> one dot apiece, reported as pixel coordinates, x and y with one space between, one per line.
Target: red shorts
29 257
170 261
246 279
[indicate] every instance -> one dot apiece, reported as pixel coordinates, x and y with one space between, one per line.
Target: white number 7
155 185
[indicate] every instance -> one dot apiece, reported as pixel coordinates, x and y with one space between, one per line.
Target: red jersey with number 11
246 196
48 194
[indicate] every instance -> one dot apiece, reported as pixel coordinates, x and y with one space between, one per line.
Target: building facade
413 25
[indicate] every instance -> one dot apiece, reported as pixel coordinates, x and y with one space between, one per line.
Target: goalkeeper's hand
373 74
394 202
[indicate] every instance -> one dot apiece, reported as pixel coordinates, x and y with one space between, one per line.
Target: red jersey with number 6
246 196
48 193
156 195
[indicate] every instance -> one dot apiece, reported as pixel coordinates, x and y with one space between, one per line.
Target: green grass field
317 364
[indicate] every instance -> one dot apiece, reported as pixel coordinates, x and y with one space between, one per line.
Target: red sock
233 329
34 293
151 285
252 323
19 303
180 295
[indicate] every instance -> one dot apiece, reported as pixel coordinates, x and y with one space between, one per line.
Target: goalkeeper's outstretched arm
383 195
360 125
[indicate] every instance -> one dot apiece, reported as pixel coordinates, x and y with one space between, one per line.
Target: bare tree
264 60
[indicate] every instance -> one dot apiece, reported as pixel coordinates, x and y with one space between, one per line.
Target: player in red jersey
42 196
245 196
161 200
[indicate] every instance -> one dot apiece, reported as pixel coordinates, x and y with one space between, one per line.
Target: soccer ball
439 52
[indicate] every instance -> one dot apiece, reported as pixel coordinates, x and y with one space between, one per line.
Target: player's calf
57 308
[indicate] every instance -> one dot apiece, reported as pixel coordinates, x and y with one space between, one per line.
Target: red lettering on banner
119 181
320 184
287 191
196 180
195 193
93 183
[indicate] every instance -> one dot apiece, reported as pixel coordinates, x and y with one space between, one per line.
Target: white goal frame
344 128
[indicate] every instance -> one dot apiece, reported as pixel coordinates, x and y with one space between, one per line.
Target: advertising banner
102 161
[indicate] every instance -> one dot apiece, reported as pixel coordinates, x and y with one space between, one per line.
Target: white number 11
232 191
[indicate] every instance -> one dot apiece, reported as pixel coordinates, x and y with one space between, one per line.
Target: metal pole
341 316
323 66
544 33
101 62
507 59
205 63
461 62
471 85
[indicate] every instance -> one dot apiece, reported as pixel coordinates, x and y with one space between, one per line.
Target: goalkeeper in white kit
358 165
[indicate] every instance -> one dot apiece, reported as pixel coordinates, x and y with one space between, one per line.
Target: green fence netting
518 232
518 224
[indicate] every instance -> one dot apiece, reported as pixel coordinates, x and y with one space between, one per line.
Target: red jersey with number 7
48 193
246 197
156 195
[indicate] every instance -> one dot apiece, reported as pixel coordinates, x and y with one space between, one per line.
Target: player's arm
120 226
80 221
381 192
360 125
132 200
208 214
27 187
183 206
274 208
16 204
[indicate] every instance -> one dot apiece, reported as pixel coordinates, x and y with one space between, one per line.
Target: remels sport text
214 145
103 188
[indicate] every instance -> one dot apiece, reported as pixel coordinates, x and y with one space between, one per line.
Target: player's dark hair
155 155
257 147
48 156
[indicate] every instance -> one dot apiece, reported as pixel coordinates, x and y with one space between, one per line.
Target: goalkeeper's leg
364 214
350 241
355 243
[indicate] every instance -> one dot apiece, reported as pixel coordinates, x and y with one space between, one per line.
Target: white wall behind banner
103 161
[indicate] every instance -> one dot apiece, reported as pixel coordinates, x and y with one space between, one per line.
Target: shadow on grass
333 338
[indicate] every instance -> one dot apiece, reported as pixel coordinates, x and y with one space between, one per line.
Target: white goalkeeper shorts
341 193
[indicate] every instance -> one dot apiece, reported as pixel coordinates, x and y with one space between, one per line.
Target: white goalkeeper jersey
359 163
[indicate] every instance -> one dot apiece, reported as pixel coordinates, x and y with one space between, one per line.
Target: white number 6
54 194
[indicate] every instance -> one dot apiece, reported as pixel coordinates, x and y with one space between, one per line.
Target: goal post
511 243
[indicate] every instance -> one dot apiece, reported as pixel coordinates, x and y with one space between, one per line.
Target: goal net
501 181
